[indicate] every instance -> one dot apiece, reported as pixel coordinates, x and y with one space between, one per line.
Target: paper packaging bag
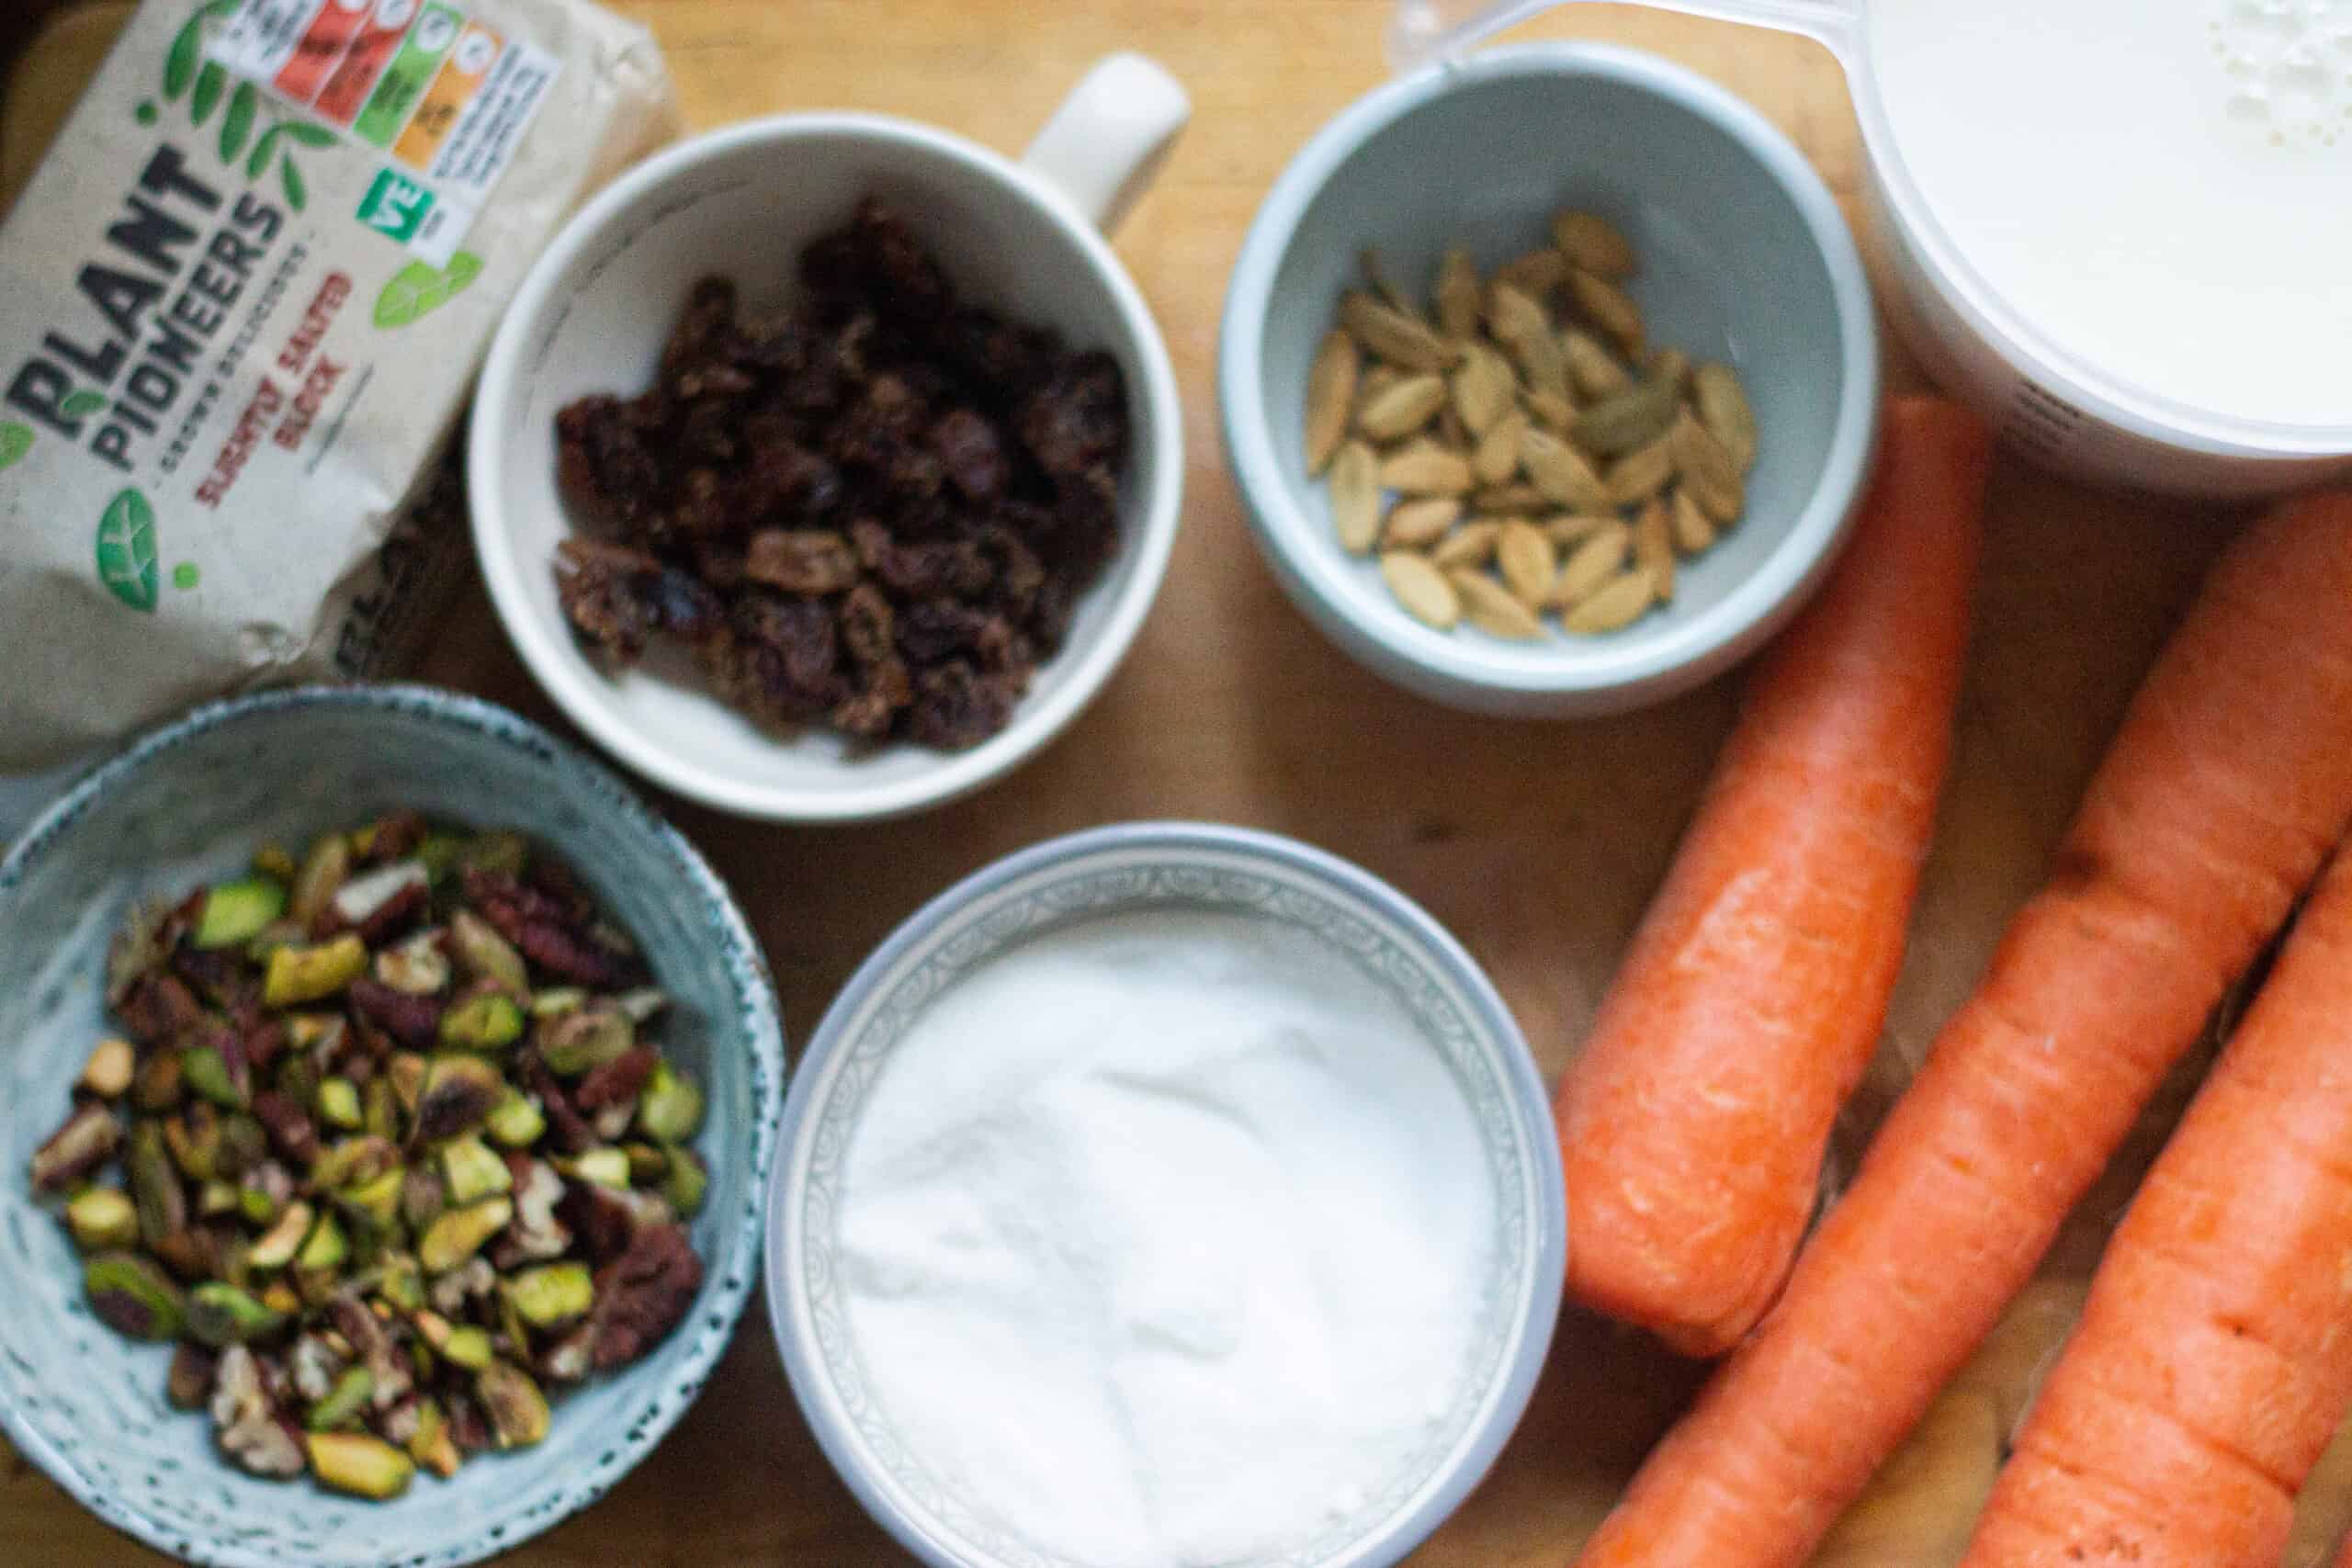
242 304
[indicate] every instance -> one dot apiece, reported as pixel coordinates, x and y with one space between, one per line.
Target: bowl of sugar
1166 1193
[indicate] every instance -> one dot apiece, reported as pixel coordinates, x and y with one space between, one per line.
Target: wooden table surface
1537 844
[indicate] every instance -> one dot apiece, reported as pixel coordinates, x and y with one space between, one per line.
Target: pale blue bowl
1189 866
1744 258
192 802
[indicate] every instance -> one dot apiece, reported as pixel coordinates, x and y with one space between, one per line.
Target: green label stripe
405 79
127 550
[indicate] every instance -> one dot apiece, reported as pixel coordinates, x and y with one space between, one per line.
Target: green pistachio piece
589 1038
276 1246
326 1248
194 1138
686 1182
339 1103
407 1072
606 1168
156 1187
298 1078
461 1344
273 936
344 1401
132 1296
236 911
376 1202
380 1109
188 1384
244 1144
497 853
102 1219
216 1197
557 1000
459 1091
518 1411
299 975
516 1121
487 956
461 1233
351 1161
488 1020
400 1281
273 860
647 1165
438 852
359 1463
208 1073
323 872
430 1445
552 1295
473 1170
221 1313
256 1205
671 1108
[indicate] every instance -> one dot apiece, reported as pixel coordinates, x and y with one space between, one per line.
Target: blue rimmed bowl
1096 875
192 802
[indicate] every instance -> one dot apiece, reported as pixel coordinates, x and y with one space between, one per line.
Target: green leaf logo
79 405
16 440
417 290
127 550
204 83
238 123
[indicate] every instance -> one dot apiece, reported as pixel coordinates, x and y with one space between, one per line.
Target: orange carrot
2228 782
2212 1362
1693 1124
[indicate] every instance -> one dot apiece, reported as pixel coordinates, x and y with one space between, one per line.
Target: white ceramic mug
1024 238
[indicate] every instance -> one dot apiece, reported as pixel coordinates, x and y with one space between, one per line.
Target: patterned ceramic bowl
192 802
1167 866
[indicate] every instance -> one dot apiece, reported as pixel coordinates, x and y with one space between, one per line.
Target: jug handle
1426 31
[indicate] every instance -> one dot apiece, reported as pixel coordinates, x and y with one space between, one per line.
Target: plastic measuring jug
2266 84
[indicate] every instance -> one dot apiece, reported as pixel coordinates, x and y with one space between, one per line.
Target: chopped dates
874 514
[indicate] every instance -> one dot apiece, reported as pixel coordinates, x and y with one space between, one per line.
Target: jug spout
1426 30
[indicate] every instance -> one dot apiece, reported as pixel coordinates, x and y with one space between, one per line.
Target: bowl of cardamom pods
1550 379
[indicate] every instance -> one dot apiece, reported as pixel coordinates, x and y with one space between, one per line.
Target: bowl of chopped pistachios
389 1102
1550 379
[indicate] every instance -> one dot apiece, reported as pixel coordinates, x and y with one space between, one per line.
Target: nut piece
324 871
1608 308
459 1093
1424 590
1653 548
1417 524
461 1233
343 1402
1482 390
516 1121
554 1295
518 1411
88 1140
219 1314
416 967
593 1035
1426 469
1403 409
1560 473
1528 564
1457 294
190 1383
487 956
1355 497
1637 476
359 1463
1724 409
1632 419
471 1171
685 1182
1496 457
488 1020
1616 605
1591 366
1472 544
276 1246
1536 273
1693 530
1390 335
1592 563
1490 607
462 1345
108 1072
131 1297
1708 469
430 1445
299 975
102 1220
1593 243
1331 394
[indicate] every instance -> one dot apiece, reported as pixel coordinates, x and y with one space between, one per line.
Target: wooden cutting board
1537 844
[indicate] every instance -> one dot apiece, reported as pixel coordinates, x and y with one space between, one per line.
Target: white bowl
1085 877
591 317
1745 259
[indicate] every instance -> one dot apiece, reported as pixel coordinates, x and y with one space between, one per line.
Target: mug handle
1108 140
